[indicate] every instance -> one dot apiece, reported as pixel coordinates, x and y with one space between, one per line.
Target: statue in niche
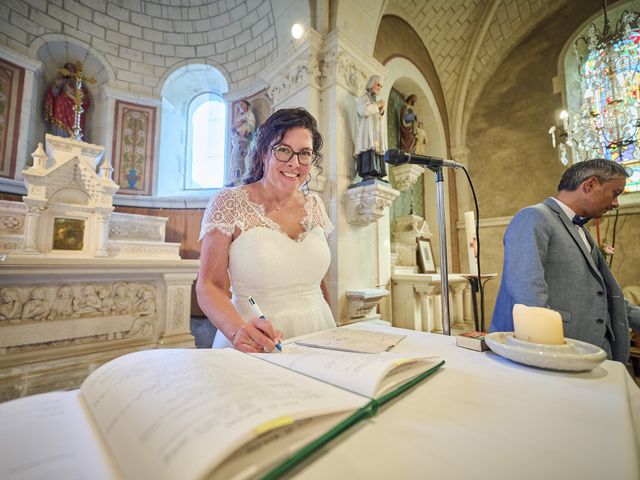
37 307
408 135
370 141
63 303
421 140
121 299
10 305
88 303
242 130
67 101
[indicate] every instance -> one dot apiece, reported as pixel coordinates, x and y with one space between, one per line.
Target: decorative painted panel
133 142
11 85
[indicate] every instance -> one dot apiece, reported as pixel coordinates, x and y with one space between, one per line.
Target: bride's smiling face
290 175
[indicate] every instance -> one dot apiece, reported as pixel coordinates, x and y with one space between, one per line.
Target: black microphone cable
477 233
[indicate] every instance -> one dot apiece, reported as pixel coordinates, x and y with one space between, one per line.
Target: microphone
395 156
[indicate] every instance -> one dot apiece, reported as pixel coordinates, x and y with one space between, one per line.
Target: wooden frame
425 256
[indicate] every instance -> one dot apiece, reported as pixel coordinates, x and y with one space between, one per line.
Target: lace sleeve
221 213
319 214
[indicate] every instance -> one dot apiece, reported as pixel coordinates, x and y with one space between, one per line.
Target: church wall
627 254
358 19
511 160
131 48
148 37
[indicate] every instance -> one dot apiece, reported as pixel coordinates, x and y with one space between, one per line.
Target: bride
269 234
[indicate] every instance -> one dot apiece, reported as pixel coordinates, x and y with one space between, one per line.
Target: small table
475 287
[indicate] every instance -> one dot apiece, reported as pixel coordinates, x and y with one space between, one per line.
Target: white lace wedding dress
282 274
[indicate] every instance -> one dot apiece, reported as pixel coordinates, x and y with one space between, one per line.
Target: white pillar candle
470 227
537 325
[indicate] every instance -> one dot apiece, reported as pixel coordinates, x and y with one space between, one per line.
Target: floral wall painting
11 85
134 138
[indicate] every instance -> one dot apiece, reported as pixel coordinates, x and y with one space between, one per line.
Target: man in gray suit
551 261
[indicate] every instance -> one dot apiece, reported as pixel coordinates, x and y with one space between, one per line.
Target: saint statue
65 102
371 142
407 138
421 140
241 134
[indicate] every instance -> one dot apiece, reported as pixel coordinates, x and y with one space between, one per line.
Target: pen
259 314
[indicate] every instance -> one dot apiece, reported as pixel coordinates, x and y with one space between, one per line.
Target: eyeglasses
284 154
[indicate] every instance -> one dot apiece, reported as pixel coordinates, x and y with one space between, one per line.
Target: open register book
184 413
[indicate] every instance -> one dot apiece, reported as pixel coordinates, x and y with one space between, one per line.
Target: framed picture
425 256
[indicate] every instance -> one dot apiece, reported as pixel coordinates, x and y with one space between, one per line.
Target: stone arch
407 78
395 31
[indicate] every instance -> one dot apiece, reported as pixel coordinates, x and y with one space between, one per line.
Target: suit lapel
573 232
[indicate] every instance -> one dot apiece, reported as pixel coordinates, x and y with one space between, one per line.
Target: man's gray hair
600 168
372 79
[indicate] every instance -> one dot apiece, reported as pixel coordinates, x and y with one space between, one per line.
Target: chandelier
606 125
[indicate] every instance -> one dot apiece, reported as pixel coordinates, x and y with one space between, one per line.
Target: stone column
361 255
427 305
102 233
174 305
458 303
32 224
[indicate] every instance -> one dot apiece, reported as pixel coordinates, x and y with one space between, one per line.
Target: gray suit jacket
546 264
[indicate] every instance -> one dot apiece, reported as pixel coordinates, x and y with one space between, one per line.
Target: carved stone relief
68 301
133 231
341 66
301 74
178 308
12 224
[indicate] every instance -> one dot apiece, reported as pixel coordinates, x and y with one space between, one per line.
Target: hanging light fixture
607 122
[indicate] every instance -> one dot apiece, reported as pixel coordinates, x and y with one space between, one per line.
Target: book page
178 413
50 436
361 373
351 340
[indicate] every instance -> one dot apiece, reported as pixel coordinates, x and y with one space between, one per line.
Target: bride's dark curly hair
271 133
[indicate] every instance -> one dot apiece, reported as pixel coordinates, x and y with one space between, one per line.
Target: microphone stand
444 268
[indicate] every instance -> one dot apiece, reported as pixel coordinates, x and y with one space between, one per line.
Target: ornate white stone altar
80 284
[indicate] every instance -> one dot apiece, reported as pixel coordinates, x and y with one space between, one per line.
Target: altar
79 283
485 417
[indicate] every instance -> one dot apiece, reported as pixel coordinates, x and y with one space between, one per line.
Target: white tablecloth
483 416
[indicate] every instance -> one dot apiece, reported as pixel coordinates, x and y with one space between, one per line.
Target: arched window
602 75
611 85
205 161
192 134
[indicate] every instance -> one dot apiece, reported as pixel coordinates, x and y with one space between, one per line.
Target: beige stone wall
626 260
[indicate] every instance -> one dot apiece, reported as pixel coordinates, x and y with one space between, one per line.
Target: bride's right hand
256 336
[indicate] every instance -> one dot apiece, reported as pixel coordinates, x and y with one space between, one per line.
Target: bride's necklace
278 205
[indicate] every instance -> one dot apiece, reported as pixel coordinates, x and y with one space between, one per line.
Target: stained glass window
607 125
